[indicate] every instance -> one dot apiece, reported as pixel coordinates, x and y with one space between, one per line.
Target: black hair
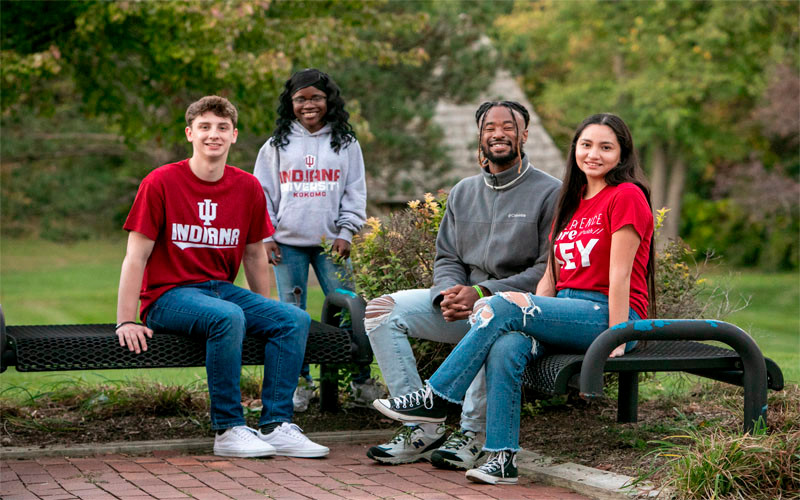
628 170
342 132
480 116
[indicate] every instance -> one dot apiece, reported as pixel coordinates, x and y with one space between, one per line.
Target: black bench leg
329 387
755 403
628 399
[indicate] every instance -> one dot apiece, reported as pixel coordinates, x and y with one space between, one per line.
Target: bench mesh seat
95 347
551 374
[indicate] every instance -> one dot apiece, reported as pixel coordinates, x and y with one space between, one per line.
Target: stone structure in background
461 140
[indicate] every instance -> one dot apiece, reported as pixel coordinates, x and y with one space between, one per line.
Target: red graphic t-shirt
583 248
200 228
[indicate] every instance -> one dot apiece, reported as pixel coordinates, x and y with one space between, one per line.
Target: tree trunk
658 176
674 196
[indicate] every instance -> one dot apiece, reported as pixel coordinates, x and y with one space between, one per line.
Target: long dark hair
628 170
342 133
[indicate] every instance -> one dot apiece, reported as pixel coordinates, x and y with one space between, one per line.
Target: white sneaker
243 442
305 392
289 441
364 394
409 444
461 451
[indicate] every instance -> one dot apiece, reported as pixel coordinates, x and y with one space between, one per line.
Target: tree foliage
686 75
129 69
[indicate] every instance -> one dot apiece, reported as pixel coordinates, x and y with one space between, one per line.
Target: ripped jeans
505 336
410 314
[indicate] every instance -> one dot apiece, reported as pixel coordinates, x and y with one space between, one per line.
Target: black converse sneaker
409 444
461 451
420 406
500 468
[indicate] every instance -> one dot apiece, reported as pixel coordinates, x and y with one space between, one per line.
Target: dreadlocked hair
337 117
628 170
480 118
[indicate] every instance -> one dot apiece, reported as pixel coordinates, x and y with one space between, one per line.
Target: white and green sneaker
306 391
409 444
500 468
461 451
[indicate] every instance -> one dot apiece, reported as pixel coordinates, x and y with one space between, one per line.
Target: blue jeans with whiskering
506 336
223 314
291 277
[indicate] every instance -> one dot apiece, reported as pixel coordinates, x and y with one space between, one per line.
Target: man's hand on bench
133 336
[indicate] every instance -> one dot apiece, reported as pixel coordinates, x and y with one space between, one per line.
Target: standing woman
312 172
600 273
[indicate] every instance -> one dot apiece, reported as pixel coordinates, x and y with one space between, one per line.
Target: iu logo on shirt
208 211
193 236
311 160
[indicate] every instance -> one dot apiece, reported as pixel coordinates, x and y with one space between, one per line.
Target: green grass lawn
50 283
772 317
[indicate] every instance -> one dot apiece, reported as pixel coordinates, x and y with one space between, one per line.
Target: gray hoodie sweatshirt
312 192
495 230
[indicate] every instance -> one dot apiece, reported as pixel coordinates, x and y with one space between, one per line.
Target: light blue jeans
505 337
223 313
413 315
291 278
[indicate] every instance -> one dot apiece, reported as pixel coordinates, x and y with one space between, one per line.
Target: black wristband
120 325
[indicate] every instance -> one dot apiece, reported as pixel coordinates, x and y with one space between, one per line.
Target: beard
503 160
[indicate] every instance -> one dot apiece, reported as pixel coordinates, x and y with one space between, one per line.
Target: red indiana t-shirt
583 248
200 228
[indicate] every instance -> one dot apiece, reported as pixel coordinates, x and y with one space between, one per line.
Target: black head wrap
308 78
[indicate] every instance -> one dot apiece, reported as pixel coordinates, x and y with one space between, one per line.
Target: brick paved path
346 473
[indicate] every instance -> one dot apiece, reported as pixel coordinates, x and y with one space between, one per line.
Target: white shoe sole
221 452
477 476
403 460
303 453
401 417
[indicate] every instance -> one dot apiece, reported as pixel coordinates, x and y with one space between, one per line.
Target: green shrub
397 253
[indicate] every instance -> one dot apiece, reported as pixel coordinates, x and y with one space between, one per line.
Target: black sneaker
500 468
461 451
420 406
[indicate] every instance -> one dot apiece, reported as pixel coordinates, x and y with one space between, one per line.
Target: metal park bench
95 347
670 345
665 345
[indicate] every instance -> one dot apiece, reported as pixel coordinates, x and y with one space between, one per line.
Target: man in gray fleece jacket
493 237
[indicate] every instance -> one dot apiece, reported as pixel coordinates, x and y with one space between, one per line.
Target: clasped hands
458 302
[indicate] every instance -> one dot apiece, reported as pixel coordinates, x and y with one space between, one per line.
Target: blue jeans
291 277
505 337
223 313
413 315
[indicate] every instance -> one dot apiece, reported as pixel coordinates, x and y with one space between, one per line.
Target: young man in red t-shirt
191 225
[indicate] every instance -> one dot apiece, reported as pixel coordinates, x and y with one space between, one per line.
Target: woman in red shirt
600 273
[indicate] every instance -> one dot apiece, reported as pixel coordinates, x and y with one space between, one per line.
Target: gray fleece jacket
312 192
495 230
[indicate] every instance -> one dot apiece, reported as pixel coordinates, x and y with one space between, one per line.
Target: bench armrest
341 299
754 366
